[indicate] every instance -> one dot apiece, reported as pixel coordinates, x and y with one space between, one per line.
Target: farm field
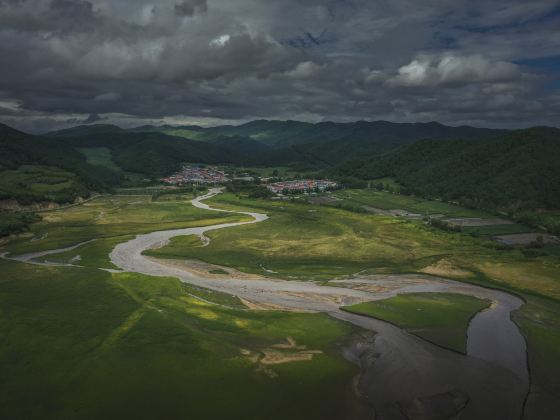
441 318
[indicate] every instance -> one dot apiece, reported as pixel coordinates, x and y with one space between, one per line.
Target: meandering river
397 367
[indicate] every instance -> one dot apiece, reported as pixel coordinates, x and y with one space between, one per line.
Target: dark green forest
29 164
516 170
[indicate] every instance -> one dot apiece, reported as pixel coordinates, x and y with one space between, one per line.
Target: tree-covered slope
34 168
273 142
517 169
83 130
156 154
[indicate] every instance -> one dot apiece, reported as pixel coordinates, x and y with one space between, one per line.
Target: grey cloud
450 69
190 7
108 96
92 118
230 60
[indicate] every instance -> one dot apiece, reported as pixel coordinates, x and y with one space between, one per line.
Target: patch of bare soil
276 357
265 306
476 221
277 354
289 344
206 270
405 214
383 284
317 297
444 268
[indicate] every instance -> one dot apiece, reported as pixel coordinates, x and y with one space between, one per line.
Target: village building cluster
302 185
196 175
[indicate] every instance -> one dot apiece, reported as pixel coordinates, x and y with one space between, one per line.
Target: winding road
397 368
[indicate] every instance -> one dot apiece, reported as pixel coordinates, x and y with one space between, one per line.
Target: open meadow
80 343
105 325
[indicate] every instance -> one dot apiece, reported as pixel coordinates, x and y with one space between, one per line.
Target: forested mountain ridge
517 169
35 168
284 134
279 134
156 154
480 167
285 142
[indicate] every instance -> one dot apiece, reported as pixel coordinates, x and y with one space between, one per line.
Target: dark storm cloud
190 7
233 60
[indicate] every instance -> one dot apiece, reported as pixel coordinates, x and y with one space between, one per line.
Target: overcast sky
131 62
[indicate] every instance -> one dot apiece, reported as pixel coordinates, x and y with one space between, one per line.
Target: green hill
34 168
156 154
284 134
515 170
84 130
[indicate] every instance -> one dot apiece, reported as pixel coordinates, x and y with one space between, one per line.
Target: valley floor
206 335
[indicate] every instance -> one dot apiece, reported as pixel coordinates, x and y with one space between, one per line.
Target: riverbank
494 390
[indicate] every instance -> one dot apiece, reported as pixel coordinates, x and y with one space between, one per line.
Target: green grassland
298 241
82 344
442 318
303 241
93 254
109 220
320 242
